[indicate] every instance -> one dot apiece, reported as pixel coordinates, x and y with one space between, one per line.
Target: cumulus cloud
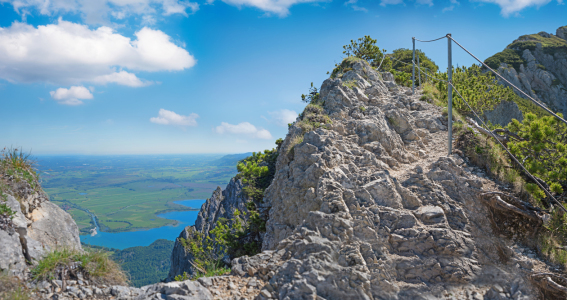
122 78
71 96
278 7
283 117
101 11
245 129
67 53
509 7
167 117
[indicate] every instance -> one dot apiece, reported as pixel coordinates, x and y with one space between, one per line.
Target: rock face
371 207
503 113
37 227
222 204
543 75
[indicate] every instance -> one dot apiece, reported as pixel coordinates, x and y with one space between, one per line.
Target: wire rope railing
452 87
508 82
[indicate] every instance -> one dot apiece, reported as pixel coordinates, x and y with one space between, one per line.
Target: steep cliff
222 204
368 205
33 225
537 63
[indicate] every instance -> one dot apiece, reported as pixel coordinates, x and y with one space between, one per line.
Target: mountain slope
537 63
367 205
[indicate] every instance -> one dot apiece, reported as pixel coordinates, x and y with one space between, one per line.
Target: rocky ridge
371 207
37 227
543 72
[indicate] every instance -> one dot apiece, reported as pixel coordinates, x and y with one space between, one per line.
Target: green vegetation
511 57
365 48
95 265
313 117
127 193
257 172
543 151
550 45
481 90
403 71
15 166
18 165
145 265
240 235
312 96
207 252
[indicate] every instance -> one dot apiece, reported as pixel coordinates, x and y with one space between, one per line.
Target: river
121 240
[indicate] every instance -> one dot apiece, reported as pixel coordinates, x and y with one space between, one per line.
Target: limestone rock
503 113
543 76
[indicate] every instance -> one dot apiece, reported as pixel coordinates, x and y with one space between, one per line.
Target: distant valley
126 193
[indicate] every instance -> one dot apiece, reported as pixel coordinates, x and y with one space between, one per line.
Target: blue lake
121 240
82 193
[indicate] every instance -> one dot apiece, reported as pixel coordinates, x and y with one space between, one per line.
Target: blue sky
170 76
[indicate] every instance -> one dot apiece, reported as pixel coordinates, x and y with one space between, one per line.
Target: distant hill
146 265
536 64
231 159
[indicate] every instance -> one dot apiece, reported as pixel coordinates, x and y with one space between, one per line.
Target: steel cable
501 77
509 153
430 40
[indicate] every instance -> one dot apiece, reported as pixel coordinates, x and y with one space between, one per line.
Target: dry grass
95 264
12 288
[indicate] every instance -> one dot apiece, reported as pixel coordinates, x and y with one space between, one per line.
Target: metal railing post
450 92
413 70
418 70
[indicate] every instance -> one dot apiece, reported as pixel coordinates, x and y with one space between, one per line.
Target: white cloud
243 128
354 6
278 7
283 117
72 95
122 78
167 117
102 11
509 7
69 53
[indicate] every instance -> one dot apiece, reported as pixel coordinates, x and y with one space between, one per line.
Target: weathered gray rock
12 259
37 227
53 227
371 208
544 76
503 113
179 290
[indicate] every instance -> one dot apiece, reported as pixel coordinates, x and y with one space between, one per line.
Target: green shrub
18 165
312 96
406 56
95 264
511 57
550 45
350 84
365 48
543 150
313 117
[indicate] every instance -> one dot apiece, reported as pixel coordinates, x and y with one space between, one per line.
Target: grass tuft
96 264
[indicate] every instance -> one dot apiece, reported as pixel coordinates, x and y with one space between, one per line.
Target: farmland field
126 193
